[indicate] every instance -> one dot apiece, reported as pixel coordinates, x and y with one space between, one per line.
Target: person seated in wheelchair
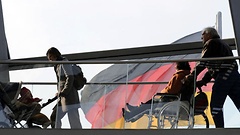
172 89
29 109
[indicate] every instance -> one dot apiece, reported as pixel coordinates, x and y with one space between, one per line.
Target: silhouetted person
224 72
69 99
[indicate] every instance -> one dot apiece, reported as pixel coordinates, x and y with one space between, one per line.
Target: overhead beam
125 54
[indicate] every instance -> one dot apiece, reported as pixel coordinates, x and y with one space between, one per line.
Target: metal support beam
235 13
4 54
219 23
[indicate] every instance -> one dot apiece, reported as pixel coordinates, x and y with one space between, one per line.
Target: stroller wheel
4 125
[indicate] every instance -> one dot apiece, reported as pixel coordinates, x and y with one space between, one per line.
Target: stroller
13 113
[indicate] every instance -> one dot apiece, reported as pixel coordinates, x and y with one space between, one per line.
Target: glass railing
108 100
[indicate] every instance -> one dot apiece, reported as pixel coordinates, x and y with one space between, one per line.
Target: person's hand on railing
49 101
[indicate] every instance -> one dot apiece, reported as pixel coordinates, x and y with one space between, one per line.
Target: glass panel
103 99
106 93
146 108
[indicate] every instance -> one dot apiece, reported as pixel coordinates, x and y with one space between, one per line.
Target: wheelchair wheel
174 115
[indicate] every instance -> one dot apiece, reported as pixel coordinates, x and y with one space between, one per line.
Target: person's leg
53 117
234 93
74 119
219 93
130 107
137 112
56 117
41 119
29 111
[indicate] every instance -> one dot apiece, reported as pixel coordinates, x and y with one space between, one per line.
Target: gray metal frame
235 10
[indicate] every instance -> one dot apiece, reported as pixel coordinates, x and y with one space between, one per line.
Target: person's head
183 66
25 92
209 33
53 54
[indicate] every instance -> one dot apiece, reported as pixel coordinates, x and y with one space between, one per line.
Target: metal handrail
114 61
108 62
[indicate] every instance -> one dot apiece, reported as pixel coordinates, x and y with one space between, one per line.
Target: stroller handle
49 101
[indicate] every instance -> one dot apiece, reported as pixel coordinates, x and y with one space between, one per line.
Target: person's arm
208 51
174 85
198 69
206 79
68 86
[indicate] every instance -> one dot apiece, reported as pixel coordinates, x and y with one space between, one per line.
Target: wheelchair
173 114
170 111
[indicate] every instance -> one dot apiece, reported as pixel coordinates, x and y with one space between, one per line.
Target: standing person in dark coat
224 72
68 95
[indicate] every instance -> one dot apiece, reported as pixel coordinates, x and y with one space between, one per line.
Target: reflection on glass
109 97
19 108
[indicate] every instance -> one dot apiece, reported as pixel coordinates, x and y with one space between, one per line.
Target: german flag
102 104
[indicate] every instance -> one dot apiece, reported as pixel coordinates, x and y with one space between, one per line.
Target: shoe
130 107
123 112
125 115
128 116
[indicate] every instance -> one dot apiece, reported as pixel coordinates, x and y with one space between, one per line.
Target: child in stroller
32 105
24 108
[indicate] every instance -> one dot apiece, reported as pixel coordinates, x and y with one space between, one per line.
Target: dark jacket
215 48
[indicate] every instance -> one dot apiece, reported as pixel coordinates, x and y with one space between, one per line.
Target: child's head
25 93
183 66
